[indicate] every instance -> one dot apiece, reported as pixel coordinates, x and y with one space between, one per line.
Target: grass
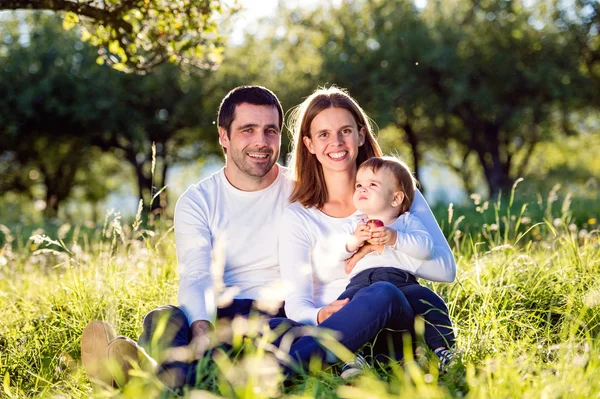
526 307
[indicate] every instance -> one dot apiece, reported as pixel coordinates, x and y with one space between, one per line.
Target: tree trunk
52 203
159 204
495 170
413 141
142 181
58 188
59 180
498 177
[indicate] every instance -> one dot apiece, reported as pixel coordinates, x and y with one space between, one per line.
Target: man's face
254 139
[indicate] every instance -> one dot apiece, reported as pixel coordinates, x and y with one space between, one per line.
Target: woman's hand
330 309
383 236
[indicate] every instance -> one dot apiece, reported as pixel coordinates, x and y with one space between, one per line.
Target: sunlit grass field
526 307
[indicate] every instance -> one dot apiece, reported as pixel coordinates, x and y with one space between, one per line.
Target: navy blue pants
423 301
379 314
167 327
379 306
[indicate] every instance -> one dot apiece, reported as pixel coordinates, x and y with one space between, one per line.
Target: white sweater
314 277
245 224
413 245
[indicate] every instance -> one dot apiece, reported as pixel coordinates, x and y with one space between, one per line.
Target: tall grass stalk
526 307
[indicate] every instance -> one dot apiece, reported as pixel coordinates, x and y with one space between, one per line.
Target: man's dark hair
255 95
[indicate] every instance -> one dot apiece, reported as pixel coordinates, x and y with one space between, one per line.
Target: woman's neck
340 189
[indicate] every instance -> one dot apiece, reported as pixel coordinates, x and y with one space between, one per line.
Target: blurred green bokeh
482 91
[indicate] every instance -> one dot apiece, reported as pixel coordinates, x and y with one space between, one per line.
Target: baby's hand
383 236
357 240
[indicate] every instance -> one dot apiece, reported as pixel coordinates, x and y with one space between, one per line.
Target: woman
332 136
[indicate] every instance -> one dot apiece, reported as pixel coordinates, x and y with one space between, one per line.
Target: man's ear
362 134
398 198
309 144
223 138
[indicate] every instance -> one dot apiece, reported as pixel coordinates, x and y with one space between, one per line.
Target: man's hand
361 234
383 236
200 342
330 309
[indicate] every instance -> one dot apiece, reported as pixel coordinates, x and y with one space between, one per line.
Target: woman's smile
338 156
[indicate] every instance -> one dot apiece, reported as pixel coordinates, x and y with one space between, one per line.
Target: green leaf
114 47
6 385
85 35
70 20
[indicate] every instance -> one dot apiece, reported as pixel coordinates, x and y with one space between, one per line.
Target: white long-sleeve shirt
413 245
244 224
314 276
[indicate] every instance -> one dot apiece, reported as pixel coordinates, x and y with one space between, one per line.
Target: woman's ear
362 133
398 198
308 143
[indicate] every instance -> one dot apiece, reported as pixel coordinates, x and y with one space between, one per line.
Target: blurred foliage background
472 93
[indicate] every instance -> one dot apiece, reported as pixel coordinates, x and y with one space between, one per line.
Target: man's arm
194 254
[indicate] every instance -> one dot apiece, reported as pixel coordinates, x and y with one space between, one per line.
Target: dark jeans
438 327
380 306
167 327
379 314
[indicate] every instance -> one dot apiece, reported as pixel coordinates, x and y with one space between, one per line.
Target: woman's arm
295 248
335 247
441 266
413 238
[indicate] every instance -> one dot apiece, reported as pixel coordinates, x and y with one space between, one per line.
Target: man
238 207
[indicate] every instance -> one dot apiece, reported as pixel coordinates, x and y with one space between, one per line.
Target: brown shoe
123 355
94 342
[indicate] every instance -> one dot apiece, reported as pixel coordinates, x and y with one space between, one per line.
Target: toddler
385 189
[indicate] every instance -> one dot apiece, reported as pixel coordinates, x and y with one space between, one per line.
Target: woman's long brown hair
309 185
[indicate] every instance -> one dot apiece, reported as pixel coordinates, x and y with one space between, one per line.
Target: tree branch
110 16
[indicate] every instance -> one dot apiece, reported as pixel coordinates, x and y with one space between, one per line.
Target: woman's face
334 139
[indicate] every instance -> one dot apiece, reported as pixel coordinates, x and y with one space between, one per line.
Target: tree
161 119
477 74
508 81
581 21
58 105
134 35
370 50
50 105
284 57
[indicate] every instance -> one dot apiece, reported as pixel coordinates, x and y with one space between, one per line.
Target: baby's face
374 191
